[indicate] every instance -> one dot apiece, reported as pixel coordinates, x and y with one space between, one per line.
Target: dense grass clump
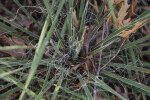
74 49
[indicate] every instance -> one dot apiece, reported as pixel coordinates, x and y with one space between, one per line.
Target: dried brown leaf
134 3
25 21
125 34
74 67
122 14
117 1
95 6
13 41
76 22
80 85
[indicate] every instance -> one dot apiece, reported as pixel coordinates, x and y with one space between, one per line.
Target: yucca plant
73 50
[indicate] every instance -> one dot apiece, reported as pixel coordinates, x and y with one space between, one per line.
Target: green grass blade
130 67
19 27
8 30
120 30
38 53
104 86
9 12
74 93
28 14
102 48
82 23
8 93
19 84
135 85
128 45
112 11
2 75
13 47
57 87
88 93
